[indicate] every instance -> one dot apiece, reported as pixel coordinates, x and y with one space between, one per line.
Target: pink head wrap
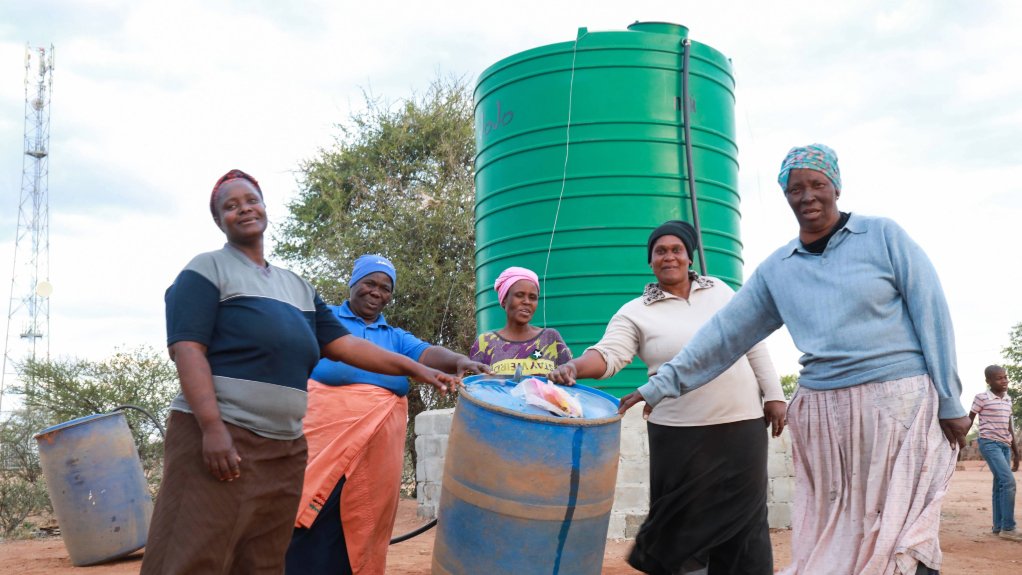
508 277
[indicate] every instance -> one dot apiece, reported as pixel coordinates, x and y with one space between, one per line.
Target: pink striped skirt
871 469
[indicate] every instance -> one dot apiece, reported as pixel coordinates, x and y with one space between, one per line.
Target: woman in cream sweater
708 453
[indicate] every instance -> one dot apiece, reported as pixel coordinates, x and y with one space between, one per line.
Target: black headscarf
683 230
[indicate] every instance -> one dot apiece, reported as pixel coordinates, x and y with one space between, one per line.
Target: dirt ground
968 547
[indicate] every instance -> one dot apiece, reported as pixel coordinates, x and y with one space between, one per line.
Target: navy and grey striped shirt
263 329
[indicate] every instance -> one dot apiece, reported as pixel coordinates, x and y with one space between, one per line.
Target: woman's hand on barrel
628 401
564 374
466 366
775 413
219 454
443 382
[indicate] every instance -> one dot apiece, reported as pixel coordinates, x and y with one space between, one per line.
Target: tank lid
660 28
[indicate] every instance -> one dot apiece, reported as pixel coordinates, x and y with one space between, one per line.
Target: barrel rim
566 421
75 422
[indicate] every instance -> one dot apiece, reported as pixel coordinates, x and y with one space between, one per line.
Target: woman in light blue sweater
877 421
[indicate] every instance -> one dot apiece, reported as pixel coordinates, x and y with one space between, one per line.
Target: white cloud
153 101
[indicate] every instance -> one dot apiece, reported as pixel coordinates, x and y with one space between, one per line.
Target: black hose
414 533
686 47
159 426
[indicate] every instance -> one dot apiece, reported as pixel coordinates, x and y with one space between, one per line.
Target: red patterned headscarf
231 175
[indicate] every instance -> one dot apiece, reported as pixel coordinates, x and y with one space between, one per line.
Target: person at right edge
877 421
998 447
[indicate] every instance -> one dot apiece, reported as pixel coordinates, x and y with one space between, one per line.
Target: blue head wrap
371 263
813 157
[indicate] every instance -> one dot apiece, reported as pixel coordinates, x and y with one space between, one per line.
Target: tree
22 488
1012 355
66 389
789 383
398 181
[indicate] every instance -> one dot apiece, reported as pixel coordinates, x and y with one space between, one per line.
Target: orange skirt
358 432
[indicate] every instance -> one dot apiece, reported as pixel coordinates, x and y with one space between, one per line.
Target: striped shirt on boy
994 416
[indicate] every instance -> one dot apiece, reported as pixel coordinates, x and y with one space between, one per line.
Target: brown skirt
203 525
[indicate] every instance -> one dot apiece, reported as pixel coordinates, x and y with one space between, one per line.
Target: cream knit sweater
657 325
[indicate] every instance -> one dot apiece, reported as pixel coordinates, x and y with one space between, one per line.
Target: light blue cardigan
868 309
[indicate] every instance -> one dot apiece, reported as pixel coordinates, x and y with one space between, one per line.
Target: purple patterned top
537 356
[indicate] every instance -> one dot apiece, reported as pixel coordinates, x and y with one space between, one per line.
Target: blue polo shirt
381 333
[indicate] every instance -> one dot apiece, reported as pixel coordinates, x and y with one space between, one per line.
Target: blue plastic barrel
525 491
97 487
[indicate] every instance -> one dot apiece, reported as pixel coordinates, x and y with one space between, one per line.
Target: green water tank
581 152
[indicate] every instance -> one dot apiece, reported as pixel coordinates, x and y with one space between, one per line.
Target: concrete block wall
781 487
432 429
631 496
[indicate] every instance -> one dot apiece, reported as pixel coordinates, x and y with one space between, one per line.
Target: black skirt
708 495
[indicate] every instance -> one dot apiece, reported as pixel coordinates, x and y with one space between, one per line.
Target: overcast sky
152 101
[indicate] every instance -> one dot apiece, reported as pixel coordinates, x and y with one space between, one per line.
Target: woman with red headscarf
245 335
519 343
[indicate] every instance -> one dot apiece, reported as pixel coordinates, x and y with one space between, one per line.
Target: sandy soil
968 548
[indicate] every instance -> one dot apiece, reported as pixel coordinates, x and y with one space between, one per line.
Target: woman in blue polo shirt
356 431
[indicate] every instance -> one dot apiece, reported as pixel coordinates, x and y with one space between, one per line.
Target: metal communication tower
28 313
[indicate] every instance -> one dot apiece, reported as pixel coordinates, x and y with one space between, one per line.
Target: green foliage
789 383
22 489
1012 355
18 452
19 498
398 181
71 388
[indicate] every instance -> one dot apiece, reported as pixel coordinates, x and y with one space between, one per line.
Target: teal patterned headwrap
814 157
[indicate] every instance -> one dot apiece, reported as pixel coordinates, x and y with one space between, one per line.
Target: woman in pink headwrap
537 350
